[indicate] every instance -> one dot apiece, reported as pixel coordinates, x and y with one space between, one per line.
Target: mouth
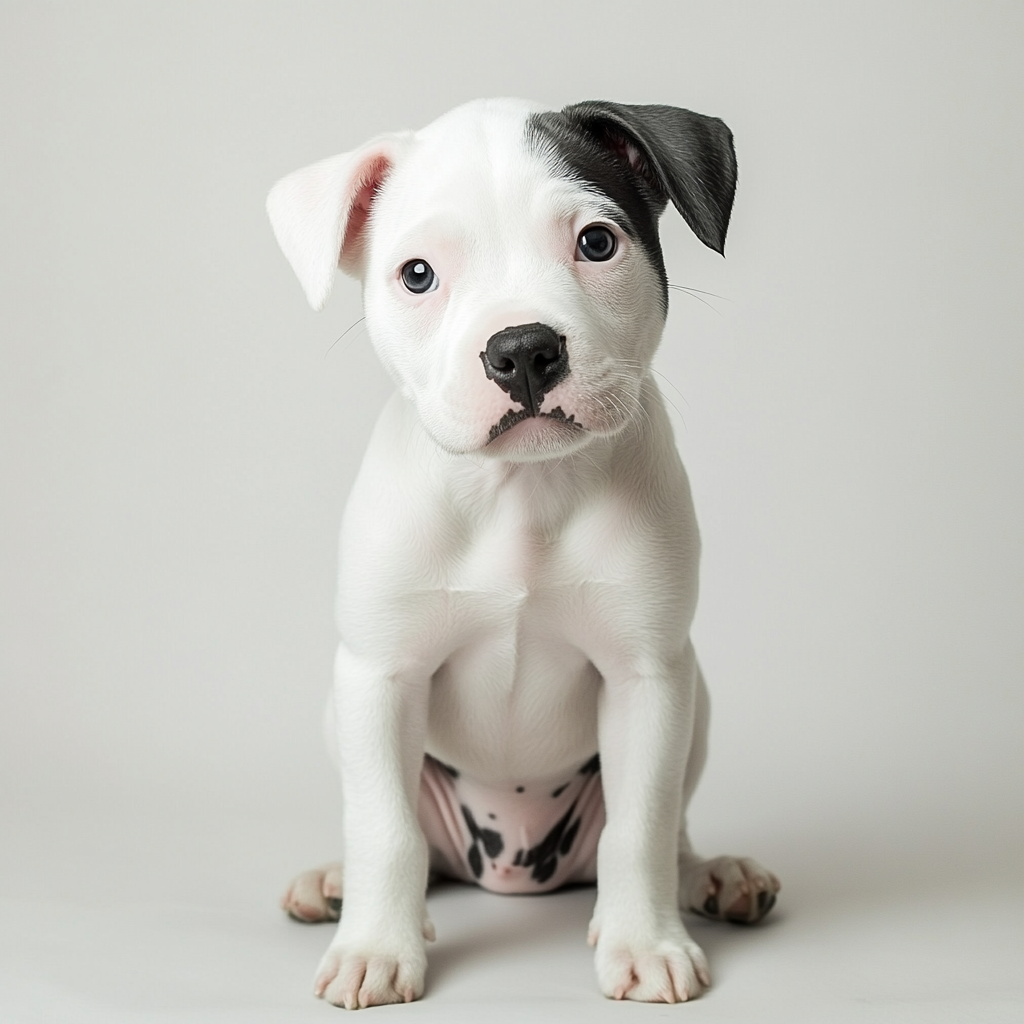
516 416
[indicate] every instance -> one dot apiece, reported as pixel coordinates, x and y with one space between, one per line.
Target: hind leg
734 889
316 895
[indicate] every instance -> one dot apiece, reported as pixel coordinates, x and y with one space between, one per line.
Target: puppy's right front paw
356 978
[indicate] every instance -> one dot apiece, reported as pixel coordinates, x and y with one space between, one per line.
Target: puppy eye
419 277
596 243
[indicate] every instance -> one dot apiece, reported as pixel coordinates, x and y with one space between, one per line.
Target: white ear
318 213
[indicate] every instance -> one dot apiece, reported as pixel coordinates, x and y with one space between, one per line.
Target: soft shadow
475 926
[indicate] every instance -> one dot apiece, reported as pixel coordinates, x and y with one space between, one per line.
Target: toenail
711 906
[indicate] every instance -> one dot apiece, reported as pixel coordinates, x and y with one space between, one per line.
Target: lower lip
534 429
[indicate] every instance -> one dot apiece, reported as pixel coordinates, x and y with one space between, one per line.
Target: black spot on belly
520 789
567 840
491 841
544 870
476 863
592 766
544 856
493 817
561 789
519 859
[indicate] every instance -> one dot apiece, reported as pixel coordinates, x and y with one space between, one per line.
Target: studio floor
146 918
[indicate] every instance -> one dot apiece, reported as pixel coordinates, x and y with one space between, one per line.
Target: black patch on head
519 859
592 766
642 157
585 158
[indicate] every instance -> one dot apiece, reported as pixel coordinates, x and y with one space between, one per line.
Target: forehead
509 168
477 160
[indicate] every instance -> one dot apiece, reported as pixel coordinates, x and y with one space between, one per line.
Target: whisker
623 377
342 335
679 412
699 291
631 407
671 385
694 295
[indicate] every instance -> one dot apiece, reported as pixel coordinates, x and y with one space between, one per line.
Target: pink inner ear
370 180
626 150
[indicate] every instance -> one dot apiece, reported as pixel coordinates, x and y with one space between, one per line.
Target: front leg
645 728
377 955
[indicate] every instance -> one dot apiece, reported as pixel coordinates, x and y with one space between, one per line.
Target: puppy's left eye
596 243
419 277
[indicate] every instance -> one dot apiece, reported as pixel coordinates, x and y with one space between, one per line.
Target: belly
514 703
522 839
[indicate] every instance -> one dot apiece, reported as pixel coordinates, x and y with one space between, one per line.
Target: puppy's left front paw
358 978
671 970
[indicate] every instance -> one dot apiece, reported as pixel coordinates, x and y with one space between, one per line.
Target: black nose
526 361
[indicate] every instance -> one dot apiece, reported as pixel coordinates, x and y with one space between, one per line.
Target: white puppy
519 554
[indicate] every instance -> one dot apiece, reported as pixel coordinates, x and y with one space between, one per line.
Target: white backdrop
178 432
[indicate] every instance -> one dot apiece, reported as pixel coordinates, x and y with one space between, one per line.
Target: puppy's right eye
419 277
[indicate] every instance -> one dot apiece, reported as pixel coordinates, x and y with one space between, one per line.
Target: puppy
517 702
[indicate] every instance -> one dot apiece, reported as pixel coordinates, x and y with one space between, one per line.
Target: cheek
631 310
622 310
445 381
404 335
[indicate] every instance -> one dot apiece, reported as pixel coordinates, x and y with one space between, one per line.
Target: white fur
507 607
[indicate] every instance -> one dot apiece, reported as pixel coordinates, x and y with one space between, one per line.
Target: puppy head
513 280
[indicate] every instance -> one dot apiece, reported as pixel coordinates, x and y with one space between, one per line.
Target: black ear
684 157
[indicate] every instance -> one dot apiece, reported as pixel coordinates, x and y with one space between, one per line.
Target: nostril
551 354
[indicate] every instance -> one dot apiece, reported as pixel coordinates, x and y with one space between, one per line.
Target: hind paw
736 889
315 895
